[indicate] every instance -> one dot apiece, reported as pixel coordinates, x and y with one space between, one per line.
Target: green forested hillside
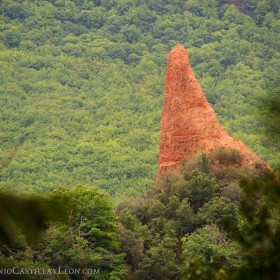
82 84
202 223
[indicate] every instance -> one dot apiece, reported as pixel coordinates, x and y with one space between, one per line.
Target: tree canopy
82 84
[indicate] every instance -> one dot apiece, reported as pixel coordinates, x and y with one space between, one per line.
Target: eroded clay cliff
189 124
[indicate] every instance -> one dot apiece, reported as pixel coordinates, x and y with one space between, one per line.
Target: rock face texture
189 124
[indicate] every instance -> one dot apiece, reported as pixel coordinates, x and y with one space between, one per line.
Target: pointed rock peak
178 54
178 59
189 124
181 86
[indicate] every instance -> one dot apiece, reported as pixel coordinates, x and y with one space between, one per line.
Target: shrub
227 156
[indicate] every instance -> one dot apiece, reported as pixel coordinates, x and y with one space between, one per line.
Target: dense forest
82 85
212 219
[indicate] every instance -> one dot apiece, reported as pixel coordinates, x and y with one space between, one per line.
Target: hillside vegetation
199 223
82 84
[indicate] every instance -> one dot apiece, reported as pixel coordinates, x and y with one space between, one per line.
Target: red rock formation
189 124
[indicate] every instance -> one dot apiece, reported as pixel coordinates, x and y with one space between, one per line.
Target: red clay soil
189 124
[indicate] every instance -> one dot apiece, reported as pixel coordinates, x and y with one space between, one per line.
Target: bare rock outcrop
189 124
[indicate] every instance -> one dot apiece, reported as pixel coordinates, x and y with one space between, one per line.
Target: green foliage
86 237
81 88
133 235
232 193
185 217
213 247
195 211
204 163
202 188
82 84
194 269
159 261
218 211
89 238
259 229
227 156
23 218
